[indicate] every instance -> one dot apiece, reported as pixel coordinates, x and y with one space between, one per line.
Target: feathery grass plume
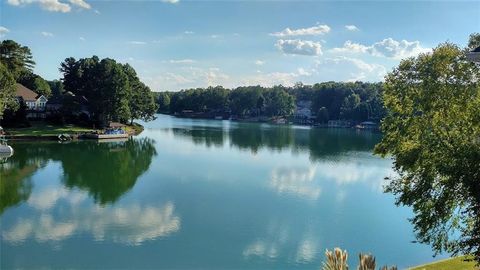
391 268
336 260
367 262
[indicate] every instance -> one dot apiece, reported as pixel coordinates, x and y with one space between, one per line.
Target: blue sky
182 44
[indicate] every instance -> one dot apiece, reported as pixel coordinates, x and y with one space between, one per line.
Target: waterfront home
303 112
35 104
77 105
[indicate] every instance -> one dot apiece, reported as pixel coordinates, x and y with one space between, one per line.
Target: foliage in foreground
432 130
457 263
337 260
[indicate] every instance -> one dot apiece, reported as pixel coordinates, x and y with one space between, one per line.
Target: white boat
4 147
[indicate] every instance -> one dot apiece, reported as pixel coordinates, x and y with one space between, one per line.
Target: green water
200 194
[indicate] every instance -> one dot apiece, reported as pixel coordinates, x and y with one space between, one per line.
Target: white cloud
311 31
259 63
170 1
270 79
351 47
135 42
364 70
386 48
81 38
181 61
46 34
80 3
189 32
52 5
397 49
3 31
214 36
300 47
184 77
97 11
351 27
304 72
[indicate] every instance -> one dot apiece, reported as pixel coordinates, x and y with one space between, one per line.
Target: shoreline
261 120
132 130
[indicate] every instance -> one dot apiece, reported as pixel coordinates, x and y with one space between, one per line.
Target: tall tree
7 91
278 102
35 82
57 87
432 130
141 102
16 58
163 101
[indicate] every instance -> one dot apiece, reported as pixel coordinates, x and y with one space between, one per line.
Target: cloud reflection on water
131 225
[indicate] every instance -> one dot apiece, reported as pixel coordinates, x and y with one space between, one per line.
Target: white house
34 102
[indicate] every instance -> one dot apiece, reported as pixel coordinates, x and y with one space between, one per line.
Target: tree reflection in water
318 142
105 170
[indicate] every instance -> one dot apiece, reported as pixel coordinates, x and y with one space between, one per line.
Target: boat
5 149
115 133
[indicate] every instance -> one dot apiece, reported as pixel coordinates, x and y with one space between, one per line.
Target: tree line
357 101
112 91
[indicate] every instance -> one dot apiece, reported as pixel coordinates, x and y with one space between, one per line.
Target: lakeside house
303 112
77 104
35 103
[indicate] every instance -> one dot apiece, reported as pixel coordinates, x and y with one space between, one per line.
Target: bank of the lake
39 130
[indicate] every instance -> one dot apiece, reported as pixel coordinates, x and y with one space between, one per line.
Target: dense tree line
241 101
330 100
342 100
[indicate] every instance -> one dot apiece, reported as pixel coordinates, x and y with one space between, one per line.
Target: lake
202 194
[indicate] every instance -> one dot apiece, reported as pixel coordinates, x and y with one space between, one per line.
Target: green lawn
39 128
457 263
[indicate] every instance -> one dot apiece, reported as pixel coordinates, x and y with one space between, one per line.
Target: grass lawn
449 264
41 128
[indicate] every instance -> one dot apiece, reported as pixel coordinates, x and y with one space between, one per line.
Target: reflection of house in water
367 125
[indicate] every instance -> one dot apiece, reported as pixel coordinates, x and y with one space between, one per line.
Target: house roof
25 93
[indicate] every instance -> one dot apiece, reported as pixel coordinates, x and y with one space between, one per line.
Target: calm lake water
202 194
